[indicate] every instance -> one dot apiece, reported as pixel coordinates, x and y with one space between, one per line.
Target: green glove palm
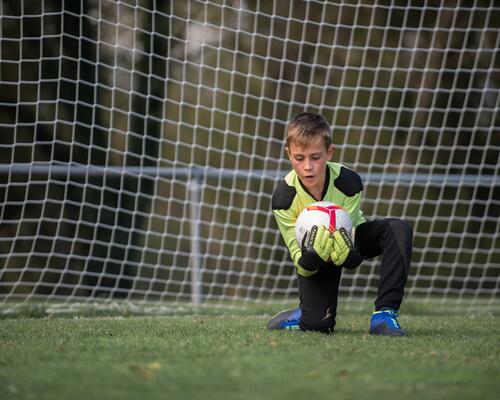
344 252
317 246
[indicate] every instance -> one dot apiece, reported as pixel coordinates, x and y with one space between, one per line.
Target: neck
318 192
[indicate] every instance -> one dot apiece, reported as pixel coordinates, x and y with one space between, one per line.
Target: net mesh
140 142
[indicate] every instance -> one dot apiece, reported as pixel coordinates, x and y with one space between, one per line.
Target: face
309 163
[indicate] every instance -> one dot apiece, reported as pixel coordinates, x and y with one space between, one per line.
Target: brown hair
305 127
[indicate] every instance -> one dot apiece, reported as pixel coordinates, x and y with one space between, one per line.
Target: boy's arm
352 206
349 183
345 251
286 225
283 197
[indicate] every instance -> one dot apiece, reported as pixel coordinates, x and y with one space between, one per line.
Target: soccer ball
323 213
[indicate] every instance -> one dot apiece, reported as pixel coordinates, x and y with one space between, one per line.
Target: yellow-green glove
344 252
317 246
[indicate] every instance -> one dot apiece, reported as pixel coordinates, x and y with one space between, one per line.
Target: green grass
227 357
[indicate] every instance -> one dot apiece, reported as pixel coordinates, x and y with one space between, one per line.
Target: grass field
228 357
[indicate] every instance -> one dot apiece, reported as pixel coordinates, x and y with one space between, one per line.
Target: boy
320 258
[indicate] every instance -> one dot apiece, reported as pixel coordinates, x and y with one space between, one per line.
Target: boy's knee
401 228
325 324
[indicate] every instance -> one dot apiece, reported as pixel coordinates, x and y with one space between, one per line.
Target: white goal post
140 142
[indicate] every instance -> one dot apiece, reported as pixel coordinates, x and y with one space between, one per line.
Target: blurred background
140 142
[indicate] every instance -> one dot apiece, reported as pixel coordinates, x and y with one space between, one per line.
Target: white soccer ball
324 213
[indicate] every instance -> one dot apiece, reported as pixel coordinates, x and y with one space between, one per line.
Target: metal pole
69 170
196 257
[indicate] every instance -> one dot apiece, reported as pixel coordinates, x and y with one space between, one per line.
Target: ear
329 151
287 151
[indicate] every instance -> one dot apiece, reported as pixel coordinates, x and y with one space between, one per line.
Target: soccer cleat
288 320
384 323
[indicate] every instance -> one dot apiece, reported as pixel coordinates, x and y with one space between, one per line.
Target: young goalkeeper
321 258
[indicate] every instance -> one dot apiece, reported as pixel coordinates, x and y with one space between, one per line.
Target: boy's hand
317 246
344 253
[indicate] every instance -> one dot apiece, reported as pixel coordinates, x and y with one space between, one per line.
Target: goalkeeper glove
344 252
317 246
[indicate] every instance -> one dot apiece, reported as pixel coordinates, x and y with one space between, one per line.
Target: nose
307 165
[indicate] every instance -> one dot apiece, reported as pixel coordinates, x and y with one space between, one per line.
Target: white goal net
140 142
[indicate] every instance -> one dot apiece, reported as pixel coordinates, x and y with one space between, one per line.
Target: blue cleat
384 323
288 320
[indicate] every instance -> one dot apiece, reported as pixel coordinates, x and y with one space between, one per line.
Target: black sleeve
283 196
348 182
